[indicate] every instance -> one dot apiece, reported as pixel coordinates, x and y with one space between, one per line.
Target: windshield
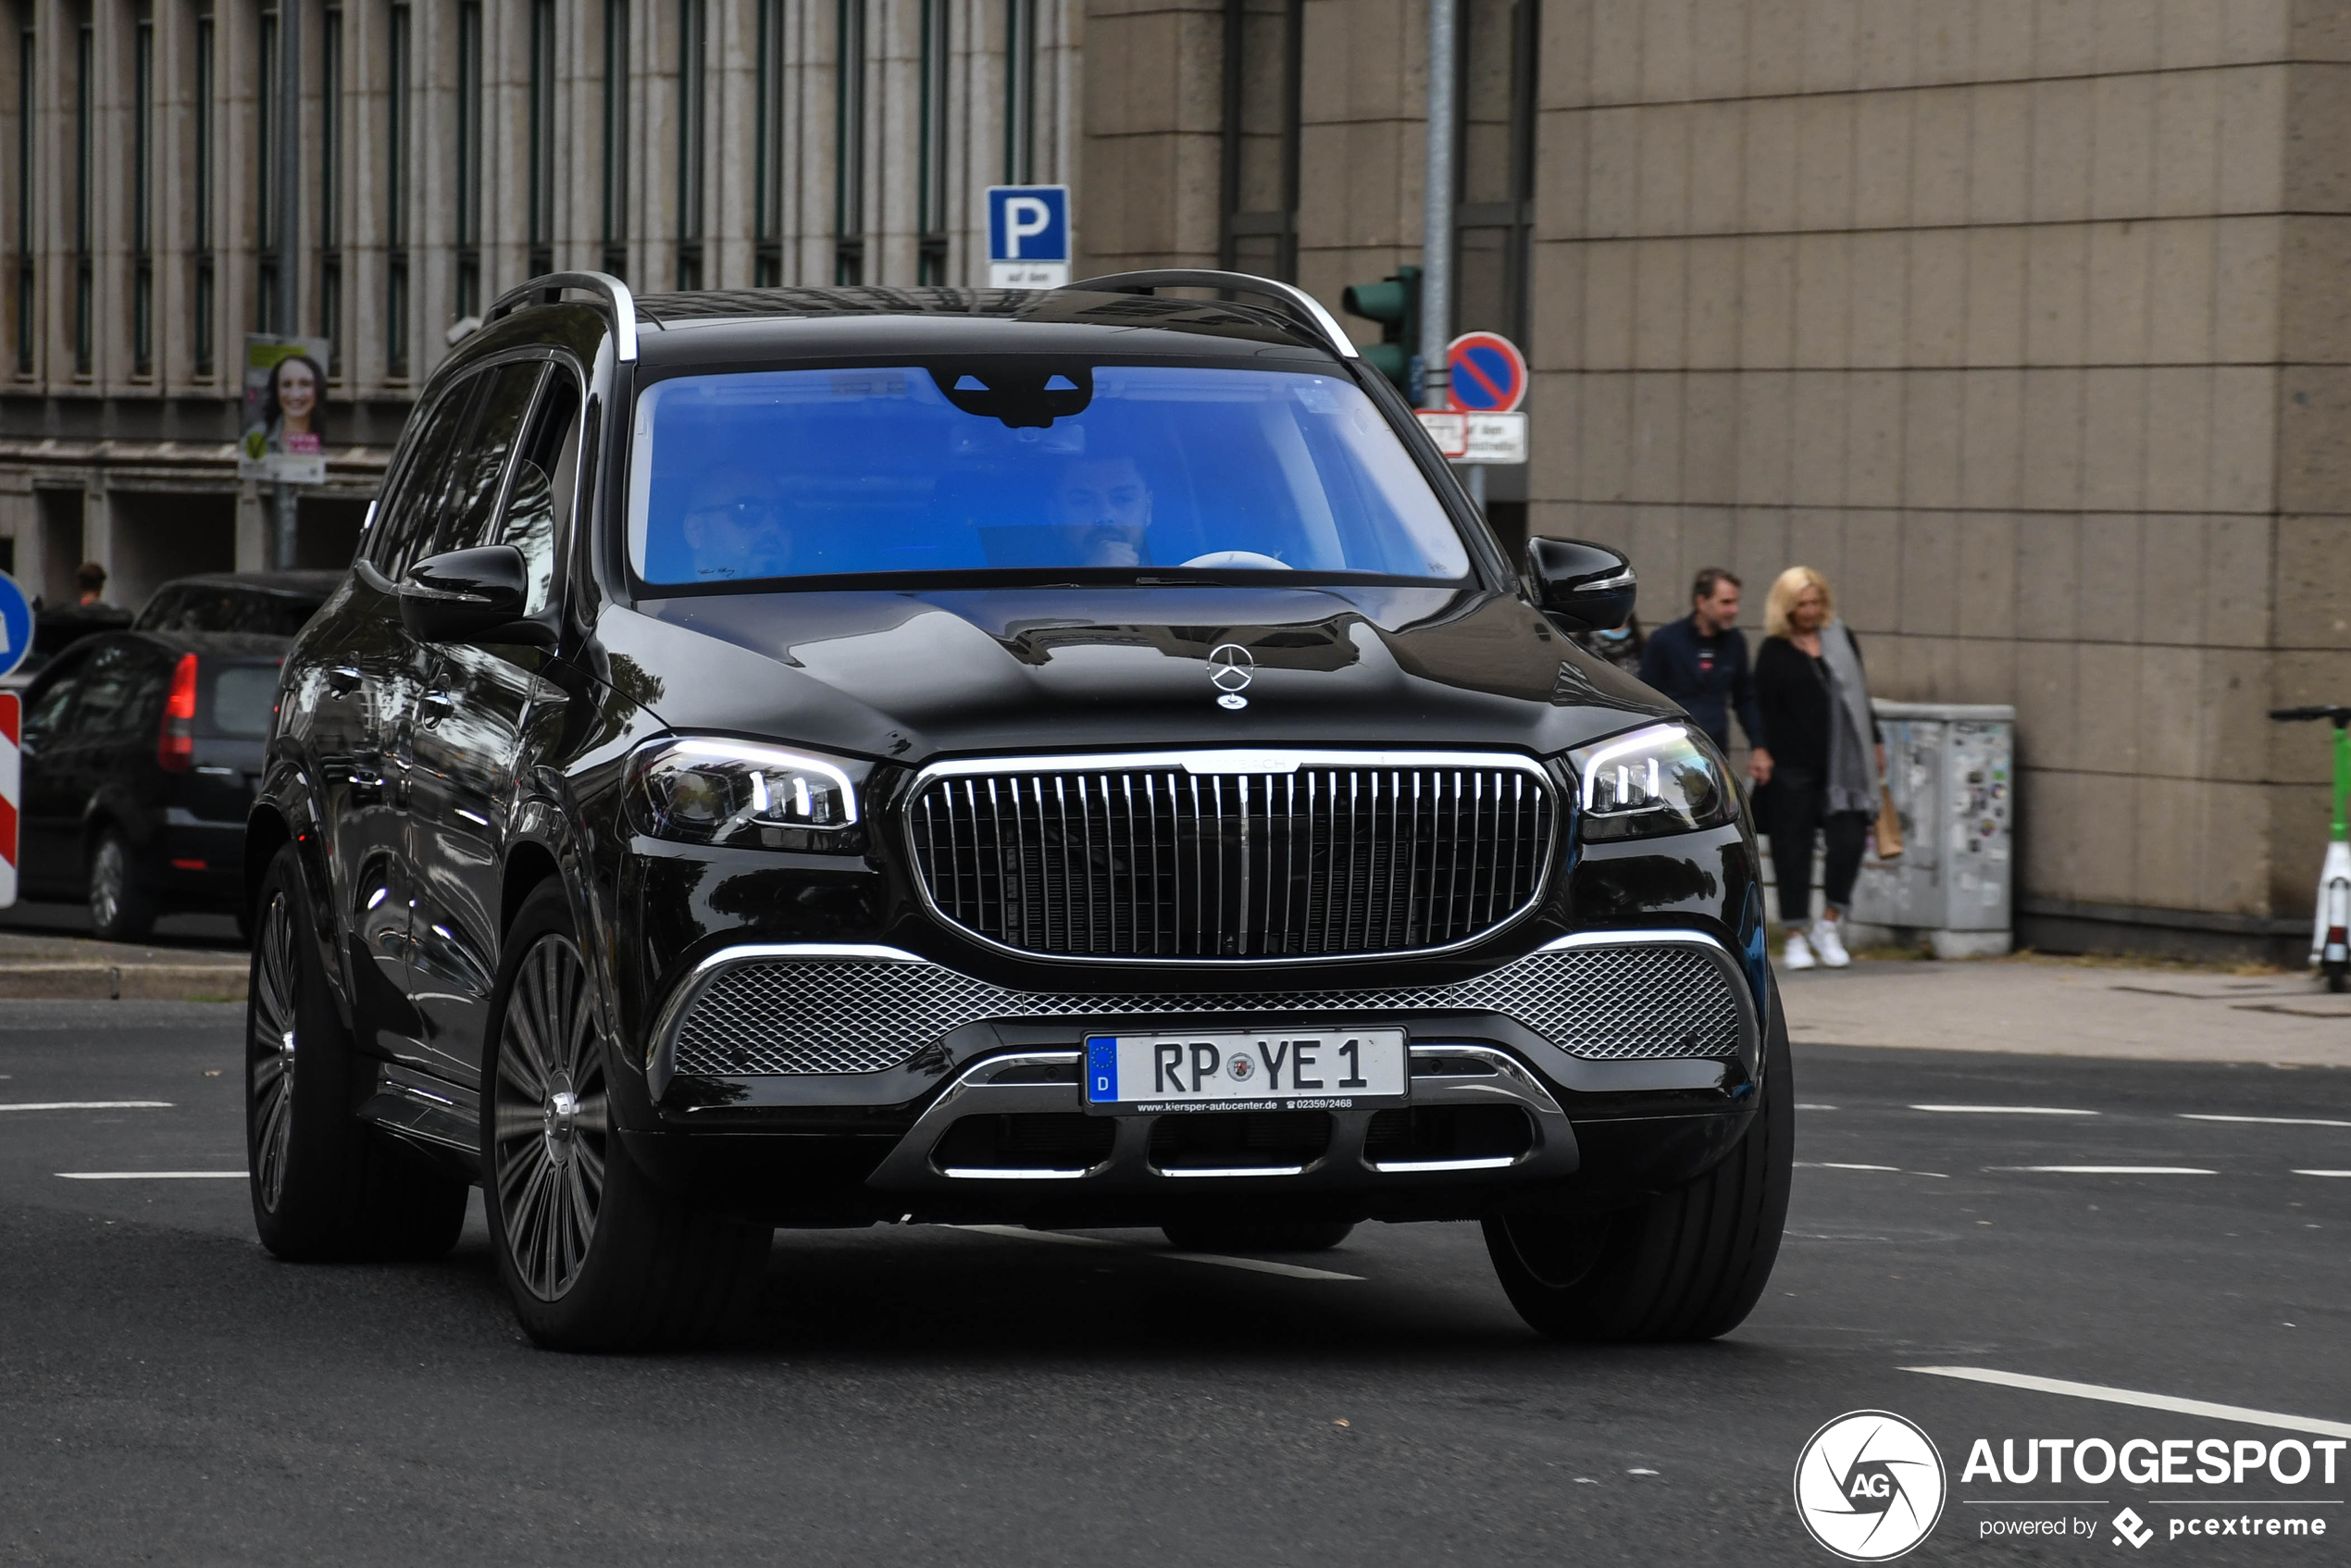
1012 467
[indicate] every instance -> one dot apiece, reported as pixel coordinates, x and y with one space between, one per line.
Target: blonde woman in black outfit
1815 704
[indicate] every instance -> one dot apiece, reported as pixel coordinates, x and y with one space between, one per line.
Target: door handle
343 679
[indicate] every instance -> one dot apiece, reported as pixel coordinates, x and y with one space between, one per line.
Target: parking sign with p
1028 236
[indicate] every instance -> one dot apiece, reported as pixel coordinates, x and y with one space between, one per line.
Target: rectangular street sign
1476 438
1496 439
1028 236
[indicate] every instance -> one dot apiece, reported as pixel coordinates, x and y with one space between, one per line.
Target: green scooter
2331 921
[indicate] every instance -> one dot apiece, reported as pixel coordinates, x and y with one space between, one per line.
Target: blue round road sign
1488 373
16 625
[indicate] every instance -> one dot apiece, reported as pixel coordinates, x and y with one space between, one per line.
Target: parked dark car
267 603
141 750
829 756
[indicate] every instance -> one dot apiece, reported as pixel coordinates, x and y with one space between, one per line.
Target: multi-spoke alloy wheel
271 1047
549 1140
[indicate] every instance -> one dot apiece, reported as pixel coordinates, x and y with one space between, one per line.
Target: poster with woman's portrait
285 427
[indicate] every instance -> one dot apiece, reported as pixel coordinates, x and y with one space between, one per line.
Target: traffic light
1395 303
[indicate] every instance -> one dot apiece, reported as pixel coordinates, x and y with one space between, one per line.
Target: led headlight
736 794
1667 778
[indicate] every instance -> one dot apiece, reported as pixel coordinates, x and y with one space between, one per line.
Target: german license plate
1274 1070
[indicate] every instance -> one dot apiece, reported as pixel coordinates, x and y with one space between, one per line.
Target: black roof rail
549 289
1293 298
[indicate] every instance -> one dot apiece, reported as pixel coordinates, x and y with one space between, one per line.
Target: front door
364 693
469 718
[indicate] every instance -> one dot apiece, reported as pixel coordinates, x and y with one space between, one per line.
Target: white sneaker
1797 953
1829 945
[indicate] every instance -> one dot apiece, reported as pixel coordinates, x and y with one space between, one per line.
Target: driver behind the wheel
734 525
1102 508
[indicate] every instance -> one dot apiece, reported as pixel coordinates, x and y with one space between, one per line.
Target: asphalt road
169 1393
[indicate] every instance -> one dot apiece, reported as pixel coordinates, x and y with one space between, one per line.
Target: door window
465 511
410 502
539 502
45 717
115 691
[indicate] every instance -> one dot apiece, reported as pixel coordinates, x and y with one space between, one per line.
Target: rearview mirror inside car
1588 586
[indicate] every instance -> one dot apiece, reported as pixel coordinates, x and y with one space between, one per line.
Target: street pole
1436 229
289 178
1437 226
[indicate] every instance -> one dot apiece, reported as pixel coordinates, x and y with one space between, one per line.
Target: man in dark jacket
1701 661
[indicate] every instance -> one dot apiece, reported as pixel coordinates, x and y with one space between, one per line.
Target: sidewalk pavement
2051 1007
78 968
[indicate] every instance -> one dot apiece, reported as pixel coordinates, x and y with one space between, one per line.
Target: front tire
1687 1265
324 1185
121 910
594 1256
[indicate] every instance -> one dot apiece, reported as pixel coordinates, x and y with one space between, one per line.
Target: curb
122 982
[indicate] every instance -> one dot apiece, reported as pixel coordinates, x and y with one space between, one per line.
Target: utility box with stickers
1952 771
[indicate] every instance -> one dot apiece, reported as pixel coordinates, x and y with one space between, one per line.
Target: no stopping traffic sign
1487 372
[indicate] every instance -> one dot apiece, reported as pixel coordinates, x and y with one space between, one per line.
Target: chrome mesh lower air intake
778 1011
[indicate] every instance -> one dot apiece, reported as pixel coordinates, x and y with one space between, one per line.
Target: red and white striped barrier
11 735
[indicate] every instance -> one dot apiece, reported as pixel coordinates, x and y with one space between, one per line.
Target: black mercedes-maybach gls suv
1073 758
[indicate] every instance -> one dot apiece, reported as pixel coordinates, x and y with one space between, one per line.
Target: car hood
916 674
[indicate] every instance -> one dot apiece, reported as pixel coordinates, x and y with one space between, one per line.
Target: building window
693 41
1494 220
265 184
85 82
848 145
542 137
399 123
142 195
469 159
931 153
1020 91
1260 137
330 183
27 317
768 156
200 311
615 205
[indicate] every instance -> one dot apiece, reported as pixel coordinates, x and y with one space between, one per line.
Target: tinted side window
163 610
114 694
46 712
409 503
539 502
495 423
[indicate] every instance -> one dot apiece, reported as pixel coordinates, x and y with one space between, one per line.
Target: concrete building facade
450 149
2023 320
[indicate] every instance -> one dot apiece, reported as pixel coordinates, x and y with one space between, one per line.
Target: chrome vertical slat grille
1323 858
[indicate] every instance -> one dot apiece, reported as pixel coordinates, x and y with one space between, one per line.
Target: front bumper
1643 1045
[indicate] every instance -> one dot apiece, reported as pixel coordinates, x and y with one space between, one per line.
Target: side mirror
466 596
1587 585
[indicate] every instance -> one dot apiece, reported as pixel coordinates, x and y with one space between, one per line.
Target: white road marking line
2323 1172
2108 1170
2266 1121
152 1176
2144 1401
1808 1105
1840 1165
1255 1266
2004 1109
90 1105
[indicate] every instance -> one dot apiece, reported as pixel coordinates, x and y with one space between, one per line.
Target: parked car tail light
176 746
